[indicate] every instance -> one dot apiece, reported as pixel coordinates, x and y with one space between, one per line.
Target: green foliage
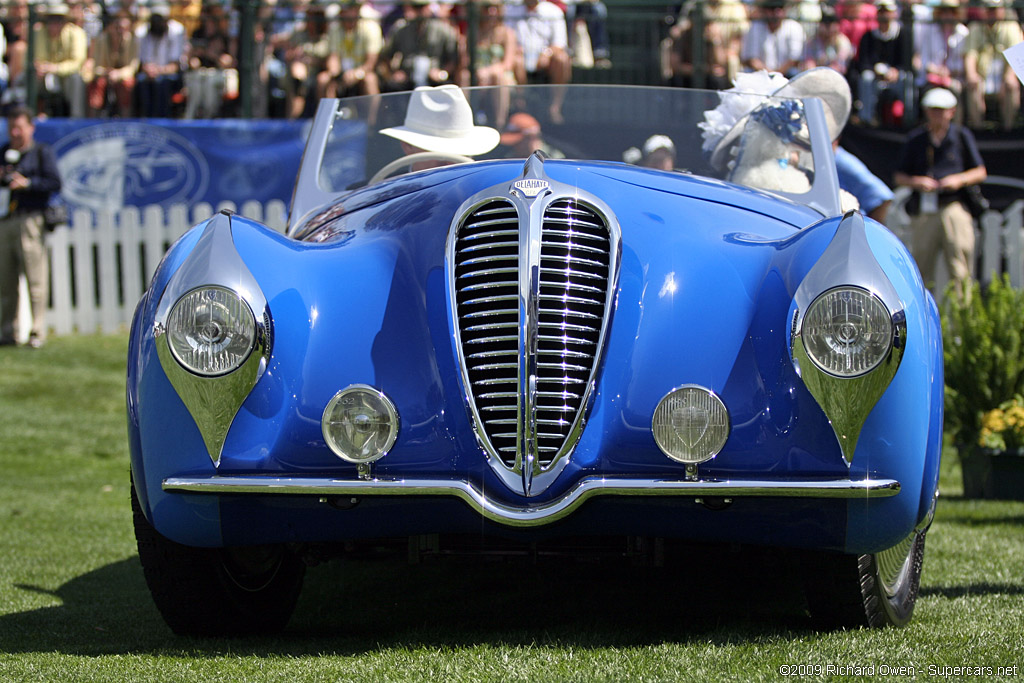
983 340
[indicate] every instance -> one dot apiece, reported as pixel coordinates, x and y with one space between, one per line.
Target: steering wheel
410 159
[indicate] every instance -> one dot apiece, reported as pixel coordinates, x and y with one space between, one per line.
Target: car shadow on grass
357 606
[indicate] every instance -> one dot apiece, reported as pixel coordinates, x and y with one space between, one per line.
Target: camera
11 159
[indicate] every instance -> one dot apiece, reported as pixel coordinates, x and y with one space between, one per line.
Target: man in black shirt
29 177
877 68
939 160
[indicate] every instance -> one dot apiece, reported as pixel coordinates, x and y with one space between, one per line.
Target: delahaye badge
531 187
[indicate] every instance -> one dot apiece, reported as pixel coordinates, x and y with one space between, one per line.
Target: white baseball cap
938 98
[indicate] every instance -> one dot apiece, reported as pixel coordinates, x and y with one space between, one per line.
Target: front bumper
534 515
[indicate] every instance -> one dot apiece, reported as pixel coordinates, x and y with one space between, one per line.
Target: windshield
763 142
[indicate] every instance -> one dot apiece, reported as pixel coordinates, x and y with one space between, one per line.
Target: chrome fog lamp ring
847 331
360 424
211 331
691 424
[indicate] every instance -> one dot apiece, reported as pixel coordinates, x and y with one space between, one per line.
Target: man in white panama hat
439 120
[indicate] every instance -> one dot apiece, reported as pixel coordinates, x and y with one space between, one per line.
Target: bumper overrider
531 515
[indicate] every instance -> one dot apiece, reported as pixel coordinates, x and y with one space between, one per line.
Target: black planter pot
994 474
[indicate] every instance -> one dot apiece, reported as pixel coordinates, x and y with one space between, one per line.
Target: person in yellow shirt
61 49
986 71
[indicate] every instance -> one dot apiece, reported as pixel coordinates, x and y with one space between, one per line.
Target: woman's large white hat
724 124
439 119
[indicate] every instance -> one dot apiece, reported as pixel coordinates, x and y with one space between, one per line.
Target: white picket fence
102 263
999 242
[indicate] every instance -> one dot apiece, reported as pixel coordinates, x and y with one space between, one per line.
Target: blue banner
106 164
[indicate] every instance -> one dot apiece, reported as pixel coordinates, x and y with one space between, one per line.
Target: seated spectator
589 19
306 58
162 44
87 16
355 44
829 47
15 27
522 137
659 152
423 50
541 32
212 74
187 13
115 61
496 55
877 74
774 42
440 119
939 46
721 53
61 49
985 68
807 13
856 17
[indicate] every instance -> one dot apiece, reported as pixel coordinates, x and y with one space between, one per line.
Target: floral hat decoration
723 125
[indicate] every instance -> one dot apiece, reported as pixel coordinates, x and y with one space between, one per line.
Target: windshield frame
335 115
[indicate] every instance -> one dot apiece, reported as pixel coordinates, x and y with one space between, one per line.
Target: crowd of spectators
182 58
953 44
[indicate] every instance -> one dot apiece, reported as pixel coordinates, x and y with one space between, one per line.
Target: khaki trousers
951 231
23 251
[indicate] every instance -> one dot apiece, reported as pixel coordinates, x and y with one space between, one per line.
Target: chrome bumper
527 516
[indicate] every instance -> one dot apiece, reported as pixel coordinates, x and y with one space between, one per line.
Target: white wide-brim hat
823 82
439 119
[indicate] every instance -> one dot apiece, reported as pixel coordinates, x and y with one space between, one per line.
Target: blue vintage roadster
480 344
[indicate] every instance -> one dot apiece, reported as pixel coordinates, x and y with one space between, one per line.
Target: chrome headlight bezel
872 329
369 398
240 334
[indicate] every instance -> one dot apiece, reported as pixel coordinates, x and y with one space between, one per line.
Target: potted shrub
983 348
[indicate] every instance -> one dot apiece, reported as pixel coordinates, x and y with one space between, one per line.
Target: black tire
218 591
874 591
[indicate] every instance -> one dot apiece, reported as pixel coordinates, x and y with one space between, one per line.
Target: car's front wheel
876 590
217 591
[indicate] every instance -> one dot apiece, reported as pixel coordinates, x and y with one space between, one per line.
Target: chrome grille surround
532 277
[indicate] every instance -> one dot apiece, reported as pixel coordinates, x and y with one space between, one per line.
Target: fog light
360 424
691 424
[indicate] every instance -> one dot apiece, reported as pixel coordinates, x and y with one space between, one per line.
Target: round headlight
691 424
360 424
211 331
847 331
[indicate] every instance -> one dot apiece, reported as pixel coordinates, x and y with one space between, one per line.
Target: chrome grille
574 272
571 294
487 306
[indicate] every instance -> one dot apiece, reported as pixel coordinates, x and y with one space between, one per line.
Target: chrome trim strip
307 194
528 516
824 193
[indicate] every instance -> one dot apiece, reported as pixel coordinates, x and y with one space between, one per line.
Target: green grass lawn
74 605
